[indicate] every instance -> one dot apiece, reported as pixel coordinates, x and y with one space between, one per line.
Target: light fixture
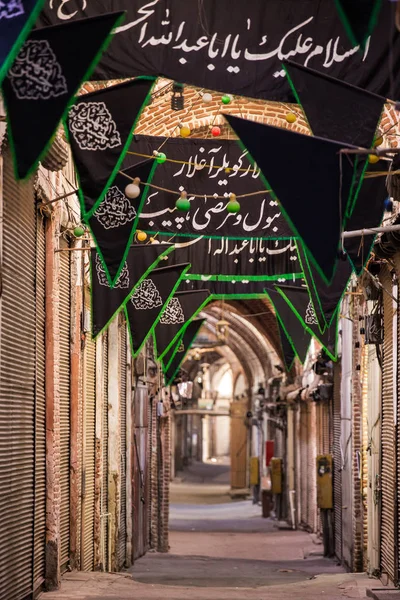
177 98
222 327
132 190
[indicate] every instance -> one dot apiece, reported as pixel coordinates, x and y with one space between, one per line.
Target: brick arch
159 119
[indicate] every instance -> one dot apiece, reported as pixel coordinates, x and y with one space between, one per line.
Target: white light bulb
132 190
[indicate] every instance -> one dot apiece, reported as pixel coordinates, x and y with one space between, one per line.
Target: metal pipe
376 151
370 231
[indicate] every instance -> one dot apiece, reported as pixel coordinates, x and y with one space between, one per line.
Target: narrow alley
222 549
199 299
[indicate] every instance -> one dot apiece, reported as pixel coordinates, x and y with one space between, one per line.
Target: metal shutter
17 387
122 384
40 411
104 444
388 541
89 434
337 460
65 423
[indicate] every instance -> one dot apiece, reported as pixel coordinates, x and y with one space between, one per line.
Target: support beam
371 231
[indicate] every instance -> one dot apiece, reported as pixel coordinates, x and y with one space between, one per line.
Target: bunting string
177 193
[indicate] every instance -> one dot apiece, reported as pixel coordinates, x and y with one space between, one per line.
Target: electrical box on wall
324 481
254 470
276 475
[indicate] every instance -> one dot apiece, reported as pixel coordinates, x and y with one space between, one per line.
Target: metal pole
369 231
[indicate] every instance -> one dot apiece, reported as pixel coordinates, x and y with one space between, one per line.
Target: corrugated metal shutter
104 442
40 411
17 387
89 427
337 460
388 542
122 373
65 401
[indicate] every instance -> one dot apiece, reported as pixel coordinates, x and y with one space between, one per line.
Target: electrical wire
178 193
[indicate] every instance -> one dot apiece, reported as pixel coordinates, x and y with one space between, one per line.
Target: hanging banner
99 128
107 301
146 305
311 178
251 259
232 289
113 224
288 353
299 338
325 298
359 18
299 302
234 46
183 346
350 114
207 167
16 20
41 83
368 212
181 309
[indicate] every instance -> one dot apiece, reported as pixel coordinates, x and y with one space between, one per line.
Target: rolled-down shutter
40 411
65 403
17 387
122 523
388 446
337 460
89 426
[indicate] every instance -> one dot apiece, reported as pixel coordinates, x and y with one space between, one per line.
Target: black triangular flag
145 306
298 302
334 109
184 344
325 298
43 79
309 177
183 307
100 127
368 213
107 300
113 223
297 335
337 110
288 353
16 20
359 18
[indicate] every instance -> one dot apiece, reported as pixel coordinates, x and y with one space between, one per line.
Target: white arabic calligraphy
293 42
36 74
11 8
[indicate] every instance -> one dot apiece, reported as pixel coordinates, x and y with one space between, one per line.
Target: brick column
76 404
114 482
52 384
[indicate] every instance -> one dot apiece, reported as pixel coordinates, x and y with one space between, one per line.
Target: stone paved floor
221 551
